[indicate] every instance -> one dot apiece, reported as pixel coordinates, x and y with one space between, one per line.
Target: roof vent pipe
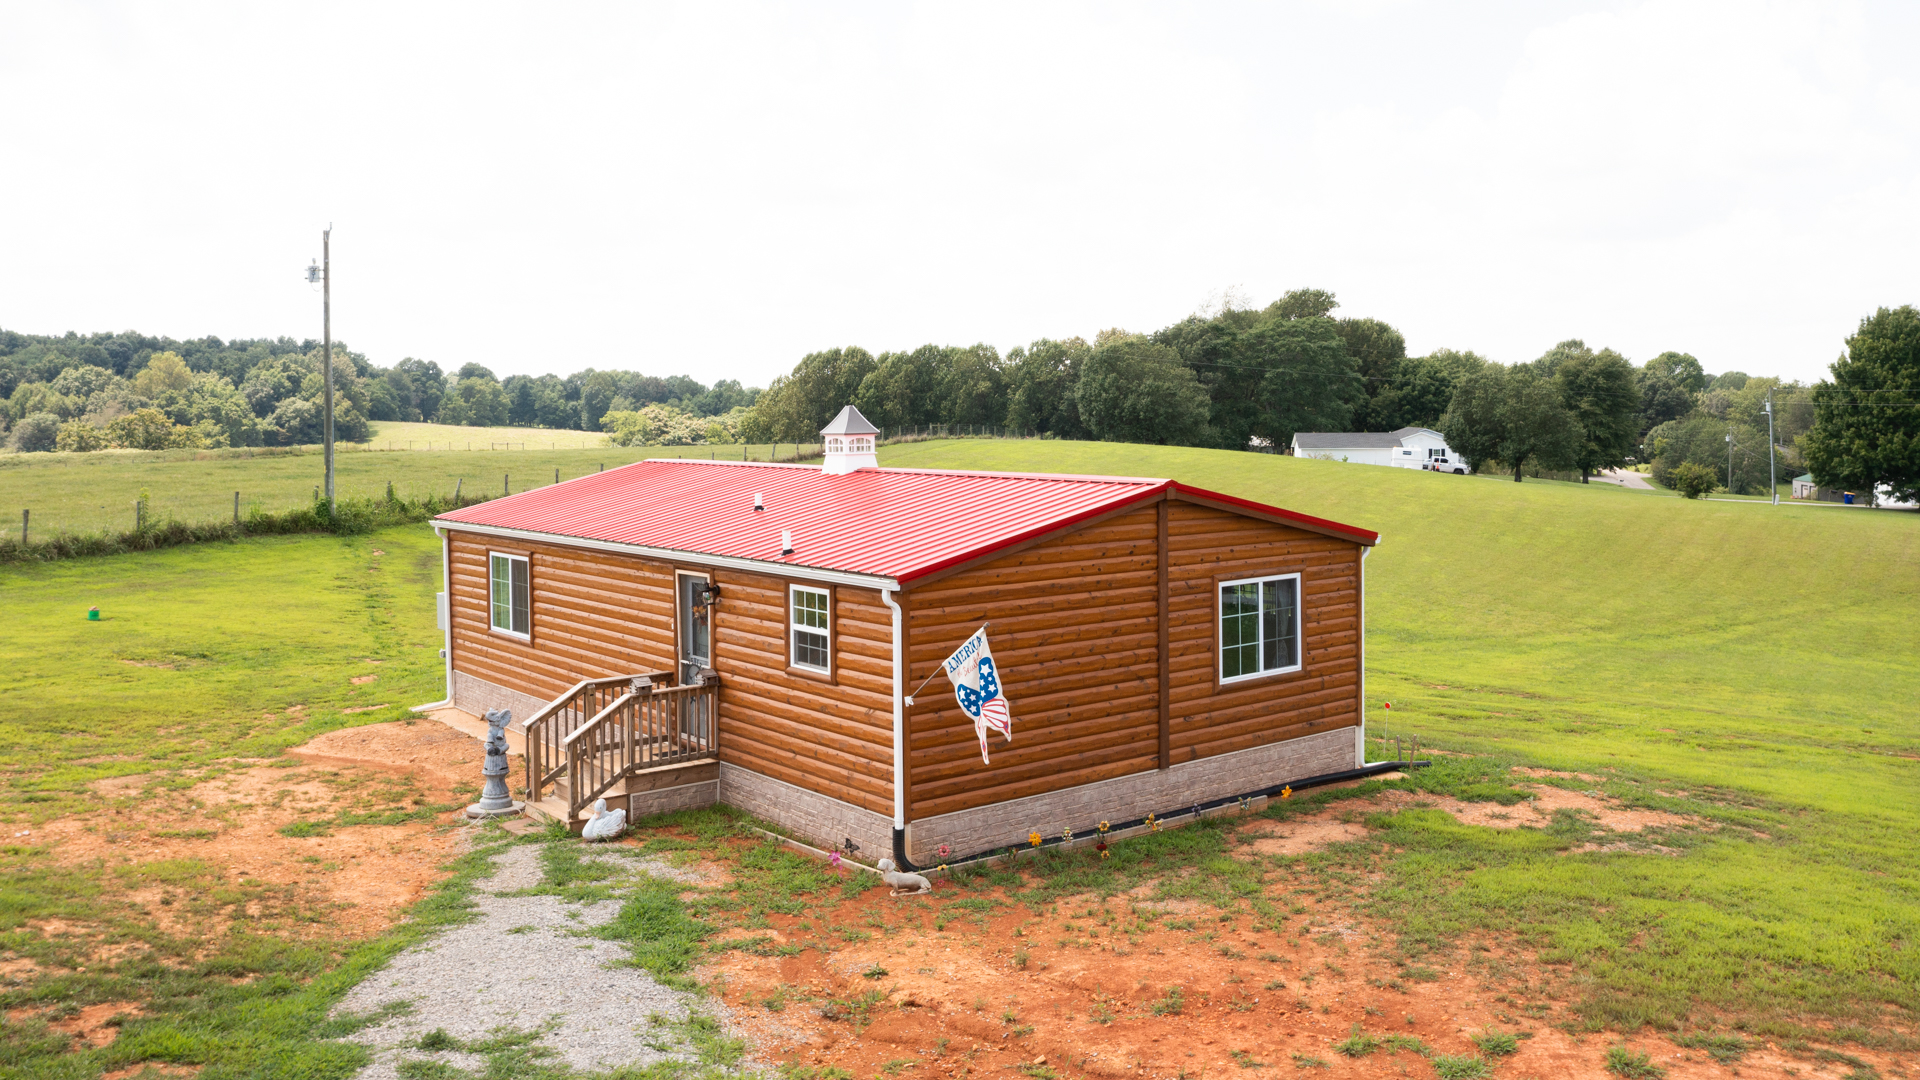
758 503
786 541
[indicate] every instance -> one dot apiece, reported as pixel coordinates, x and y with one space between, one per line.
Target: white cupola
847 443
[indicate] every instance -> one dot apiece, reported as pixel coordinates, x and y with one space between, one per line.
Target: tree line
130 390
1241 377
1234 377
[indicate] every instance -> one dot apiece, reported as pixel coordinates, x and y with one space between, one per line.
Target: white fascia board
725 562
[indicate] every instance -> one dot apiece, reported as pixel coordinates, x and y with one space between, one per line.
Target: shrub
78 436
1692 481
36 433
142 429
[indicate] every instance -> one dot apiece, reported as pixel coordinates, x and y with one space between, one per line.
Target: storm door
696 626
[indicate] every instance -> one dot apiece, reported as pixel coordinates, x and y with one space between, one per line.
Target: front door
696 627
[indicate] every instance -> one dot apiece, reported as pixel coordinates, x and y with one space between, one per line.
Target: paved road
1625 479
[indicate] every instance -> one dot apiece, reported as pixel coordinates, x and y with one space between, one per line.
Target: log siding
1106 639
596 614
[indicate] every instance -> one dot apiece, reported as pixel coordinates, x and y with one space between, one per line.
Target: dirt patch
89 1024
1300 837
361 680
368 818
1142 987
1339 824
1089 988
151 1068
1541 773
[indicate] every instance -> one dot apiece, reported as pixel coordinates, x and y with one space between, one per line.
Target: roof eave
1308 522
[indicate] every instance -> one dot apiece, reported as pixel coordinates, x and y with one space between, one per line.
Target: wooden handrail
572 692
643 729
545 729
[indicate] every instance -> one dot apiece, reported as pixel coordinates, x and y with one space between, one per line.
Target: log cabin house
674 633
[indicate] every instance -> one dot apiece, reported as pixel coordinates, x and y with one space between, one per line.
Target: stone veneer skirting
661 800
476 695
1123 798
817 818
829 822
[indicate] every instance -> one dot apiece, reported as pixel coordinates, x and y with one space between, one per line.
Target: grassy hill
85 493
1760 658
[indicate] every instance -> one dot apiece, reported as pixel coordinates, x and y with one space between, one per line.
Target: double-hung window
507 594
810 622
1259 627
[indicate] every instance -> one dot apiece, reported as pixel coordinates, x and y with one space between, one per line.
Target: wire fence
45 495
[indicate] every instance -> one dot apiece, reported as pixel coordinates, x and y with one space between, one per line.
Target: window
508 593
810 620
836 446
1259 627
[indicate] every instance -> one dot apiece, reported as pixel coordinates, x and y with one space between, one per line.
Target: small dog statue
902 884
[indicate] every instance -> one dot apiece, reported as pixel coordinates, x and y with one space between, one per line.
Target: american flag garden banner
976 682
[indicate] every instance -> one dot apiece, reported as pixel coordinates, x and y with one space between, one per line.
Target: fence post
506 487
456 489
23 526
236 508
556 474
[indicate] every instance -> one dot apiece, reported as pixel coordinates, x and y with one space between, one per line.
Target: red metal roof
890 523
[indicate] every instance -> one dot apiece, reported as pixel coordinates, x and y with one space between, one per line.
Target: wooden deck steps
552 810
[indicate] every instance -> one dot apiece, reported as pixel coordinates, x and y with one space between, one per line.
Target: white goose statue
604 824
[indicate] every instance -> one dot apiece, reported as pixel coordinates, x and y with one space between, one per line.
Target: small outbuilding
1407 448
678 632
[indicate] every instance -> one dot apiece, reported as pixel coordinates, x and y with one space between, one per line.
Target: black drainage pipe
900 860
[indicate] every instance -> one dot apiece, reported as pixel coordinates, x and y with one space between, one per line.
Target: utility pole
324 274
1773 484
1729 457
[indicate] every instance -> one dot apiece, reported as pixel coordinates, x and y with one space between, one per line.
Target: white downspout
1360 740
444 605
899 712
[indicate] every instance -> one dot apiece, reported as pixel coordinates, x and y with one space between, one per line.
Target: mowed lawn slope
1763 659
207 652
86 493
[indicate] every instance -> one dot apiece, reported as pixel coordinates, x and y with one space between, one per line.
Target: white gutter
725 562
446 643
899 712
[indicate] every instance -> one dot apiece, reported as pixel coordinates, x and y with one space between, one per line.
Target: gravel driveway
523 965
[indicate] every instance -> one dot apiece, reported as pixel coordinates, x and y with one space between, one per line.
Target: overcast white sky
716 189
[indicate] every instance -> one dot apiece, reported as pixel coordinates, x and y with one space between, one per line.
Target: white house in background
1408 448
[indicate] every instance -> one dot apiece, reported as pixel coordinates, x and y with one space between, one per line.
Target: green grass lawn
1760 659
88 493
195 644
1747 664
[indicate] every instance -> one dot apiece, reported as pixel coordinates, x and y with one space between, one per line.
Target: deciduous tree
1134 390
1866 426
1601 391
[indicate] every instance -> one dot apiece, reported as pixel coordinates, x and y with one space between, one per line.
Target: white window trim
793 628
1299 629
514 634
